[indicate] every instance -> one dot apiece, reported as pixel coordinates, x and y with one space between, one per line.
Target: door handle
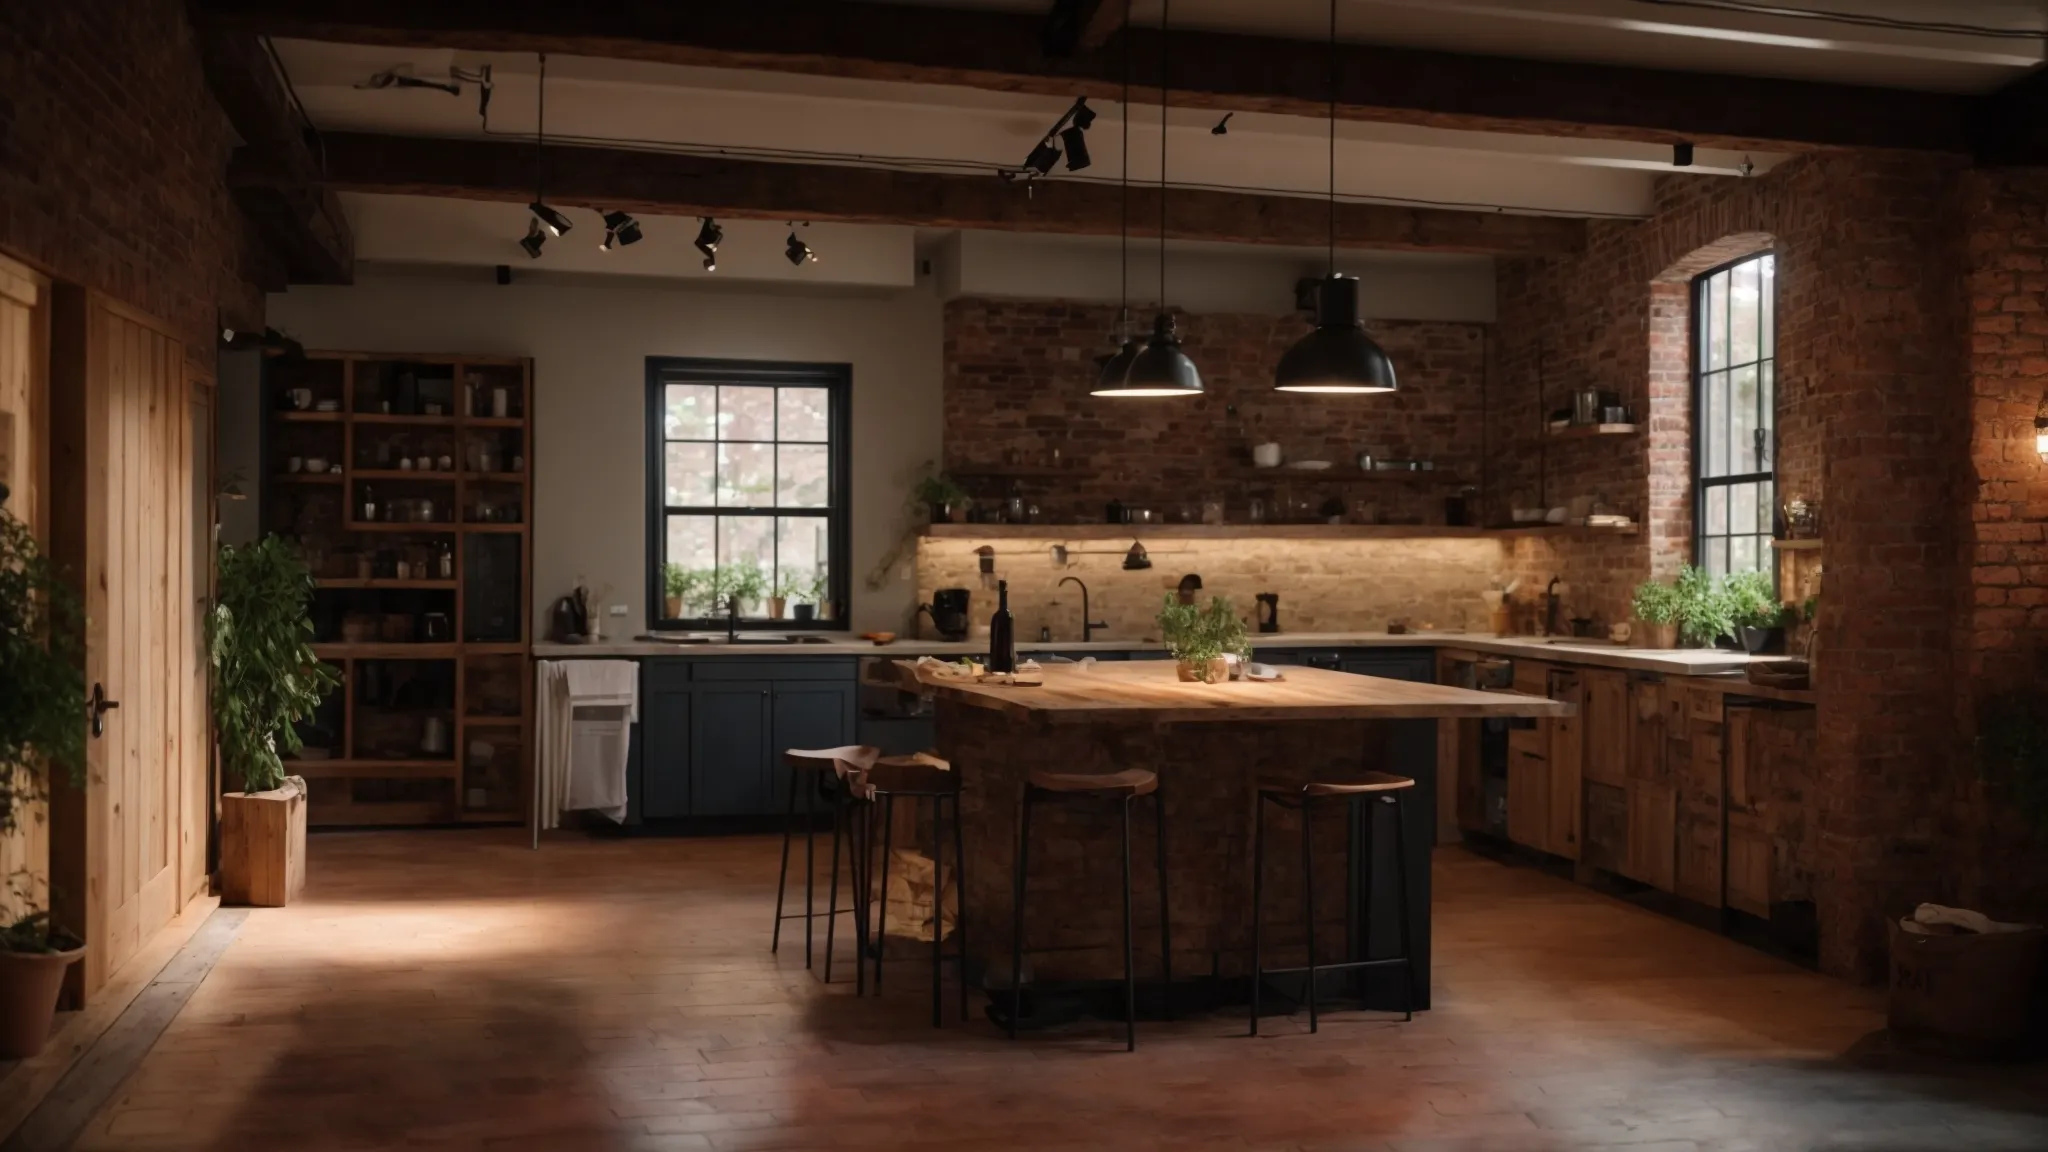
99 708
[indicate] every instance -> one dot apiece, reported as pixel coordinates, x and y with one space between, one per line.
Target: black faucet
732 620
1550 605
1088 626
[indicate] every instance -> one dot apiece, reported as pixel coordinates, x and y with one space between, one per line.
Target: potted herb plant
42 730
745 582
941 496
1656 611
265 679
677 588
1758 617
788 586
1705 614
809 597
1199 638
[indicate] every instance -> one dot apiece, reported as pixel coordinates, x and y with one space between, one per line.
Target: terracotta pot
776 606
1656 635
29 983
672 607
1214 671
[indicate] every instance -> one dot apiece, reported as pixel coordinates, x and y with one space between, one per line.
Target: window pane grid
1734 409
749 480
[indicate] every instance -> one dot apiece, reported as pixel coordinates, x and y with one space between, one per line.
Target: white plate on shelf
1310 465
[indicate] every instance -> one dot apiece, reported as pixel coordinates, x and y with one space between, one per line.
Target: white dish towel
575 773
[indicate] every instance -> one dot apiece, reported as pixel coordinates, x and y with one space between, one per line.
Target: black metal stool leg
1165 910
1308 907
1365 898
831 904
886 803
960 900
1130 976
855 815
810 864
1017 906
938 901
782 880
1401 906
1258 892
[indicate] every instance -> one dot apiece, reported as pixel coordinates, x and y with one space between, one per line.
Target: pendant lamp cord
1123 295
1165 23
540 128
1333 138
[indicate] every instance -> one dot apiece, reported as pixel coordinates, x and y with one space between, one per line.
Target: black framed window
1734 415
747 492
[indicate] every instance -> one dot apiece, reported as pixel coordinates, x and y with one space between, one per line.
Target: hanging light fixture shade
1115 373
1161 368
1337 356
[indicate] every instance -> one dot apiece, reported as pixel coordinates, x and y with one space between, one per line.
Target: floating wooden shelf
1579 431
1336 475
376 583
1796 545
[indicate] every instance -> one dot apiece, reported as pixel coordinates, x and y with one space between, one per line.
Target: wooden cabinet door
1606 723
1652 834
730 753
807 714
1749 866
1566 801
1528 788
665 754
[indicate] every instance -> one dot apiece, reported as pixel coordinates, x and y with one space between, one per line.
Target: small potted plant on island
42 729
1759 619
1705 610
1656 610
941 496
265 679
1201 638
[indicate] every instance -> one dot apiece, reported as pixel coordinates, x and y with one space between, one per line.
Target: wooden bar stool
918 777
1372 787
816 772
1122 787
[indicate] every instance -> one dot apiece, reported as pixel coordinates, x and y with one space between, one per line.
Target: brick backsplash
1324 585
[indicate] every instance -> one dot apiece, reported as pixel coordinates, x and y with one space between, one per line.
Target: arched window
1734 415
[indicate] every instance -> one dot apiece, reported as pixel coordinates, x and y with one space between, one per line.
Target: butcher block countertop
1150 692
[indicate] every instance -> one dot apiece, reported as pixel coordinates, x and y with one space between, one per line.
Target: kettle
1269 611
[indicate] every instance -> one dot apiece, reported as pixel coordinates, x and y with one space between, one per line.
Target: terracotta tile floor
454 991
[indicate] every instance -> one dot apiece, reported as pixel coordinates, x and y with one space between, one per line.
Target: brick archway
1668 513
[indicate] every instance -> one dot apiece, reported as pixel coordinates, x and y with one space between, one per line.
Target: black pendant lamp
1337 356
1162 369
1116 370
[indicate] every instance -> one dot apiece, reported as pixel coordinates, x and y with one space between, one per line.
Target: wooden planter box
263 845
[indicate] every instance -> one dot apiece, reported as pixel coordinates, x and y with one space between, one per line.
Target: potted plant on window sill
679 589
1759 618
42 729
1705 611
809 596
266 678
788 586
1201 638
1656 611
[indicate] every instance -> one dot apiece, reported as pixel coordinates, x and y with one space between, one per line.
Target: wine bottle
1002 633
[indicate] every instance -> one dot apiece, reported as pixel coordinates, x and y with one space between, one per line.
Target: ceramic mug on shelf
294 464
1266 455
301 398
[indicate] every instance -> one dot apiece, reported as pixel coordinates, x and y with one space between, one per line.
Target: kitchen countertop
1675 662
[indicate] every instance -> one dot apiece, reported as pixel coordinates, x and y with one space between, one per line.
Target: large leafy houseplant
1705 612
42 708
265 675
1198 636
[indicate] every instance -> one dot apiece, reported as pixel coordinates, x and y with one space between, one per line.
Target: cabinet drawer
659 675
784 668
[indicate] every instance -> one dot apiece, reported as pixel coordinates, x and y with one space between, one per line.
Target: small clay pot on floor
29 983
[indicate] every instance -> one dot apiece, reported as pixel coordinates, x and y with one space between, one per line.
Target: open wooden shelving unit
374 724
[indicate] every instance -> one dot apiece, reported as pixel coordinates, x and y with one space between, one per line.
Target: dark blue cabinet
712 732
806 714
664 750
729 748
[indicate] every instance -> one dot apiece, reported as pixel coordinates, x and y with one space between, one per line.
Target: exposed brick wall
1017 375
113 158
1870 423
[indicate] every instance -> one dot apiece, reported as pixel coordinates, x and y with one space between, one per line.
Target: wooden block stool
1121 787
1372 787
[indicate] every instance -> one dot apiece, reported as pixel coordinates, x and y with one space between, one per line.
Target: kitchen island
1211 745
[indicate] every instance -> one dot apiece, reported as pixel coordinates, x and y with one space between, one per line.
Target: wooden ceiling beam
672 184
300 217
1082 25
981 48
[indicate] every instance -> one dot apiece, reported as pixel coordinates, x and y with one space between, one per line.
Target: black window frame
1702 484
837 379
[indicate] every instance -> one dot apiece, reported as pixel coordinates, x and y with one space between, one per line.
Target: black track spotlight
798 252
1222 127
1042 158
553 221
1681 155
1082 115
709 237
536 237
619 231
1077 148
